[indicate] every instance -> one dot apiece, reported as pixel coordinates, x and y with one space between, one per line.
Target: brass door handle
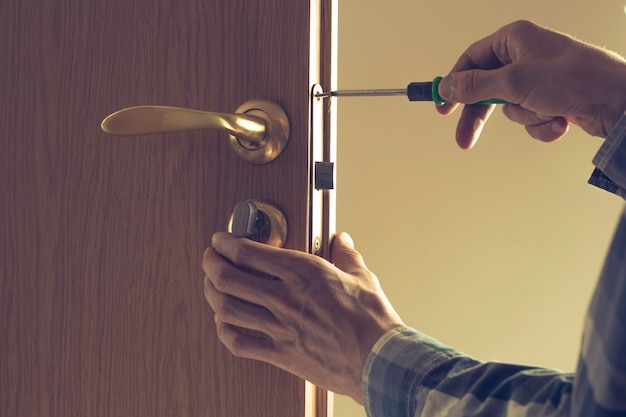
259 129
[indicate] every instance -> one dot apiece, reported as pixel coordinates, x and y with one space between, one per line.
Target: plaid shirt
410 374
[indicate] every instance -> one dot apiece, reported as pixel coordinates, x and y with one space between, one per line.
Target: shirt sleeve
610 161
409 374
600 383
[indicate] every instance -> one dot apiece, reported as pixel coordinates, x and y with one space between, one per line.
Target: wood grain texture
102 311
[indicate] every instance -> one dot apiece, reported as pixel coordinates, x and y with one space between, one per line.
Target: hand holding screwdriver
563 81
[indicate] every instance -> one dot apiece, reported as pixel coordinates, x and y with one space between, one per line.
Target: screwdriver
417 91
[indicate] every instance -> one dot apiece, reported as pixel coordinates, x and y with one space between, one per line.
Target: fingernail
215 239
445 88
347 238
558 126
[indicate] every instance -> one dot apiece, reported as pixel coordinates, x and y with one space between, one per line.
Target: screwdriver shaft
356 93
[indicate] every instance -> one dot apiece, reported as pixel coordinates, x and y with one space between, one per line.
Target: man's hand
552 78
309 317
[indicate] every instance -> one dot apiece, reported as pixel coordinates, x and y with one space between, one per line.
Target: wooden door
102 310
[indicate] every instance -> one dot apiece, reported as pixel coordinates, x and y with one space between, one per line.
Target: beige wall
494 251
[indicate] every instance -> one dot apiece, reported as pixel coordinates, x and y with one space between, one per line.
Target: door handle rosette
259 129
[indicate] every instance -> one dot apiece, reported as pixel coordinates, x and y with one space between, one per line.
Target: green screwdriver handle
429 91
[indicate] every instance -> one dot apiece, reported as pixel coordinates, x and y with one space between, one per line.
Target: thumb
343 254
473 86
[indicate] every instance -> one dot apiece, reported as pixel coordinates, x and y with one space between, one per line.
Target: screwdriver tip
324 95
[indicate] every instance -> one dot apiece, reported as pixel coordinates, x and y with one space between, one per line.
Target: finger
267 259
243 344
447 108
488 69
524 116
343 254
549 131
540 126
500 48
486 53
471 123
237 312
467 79
472 86
231 280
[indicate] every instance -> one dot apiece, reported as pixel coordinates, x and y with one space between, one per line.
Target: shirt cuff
395 368
610 161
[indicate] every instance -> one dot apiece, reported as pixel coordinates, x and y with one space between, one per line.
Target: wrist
615 98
